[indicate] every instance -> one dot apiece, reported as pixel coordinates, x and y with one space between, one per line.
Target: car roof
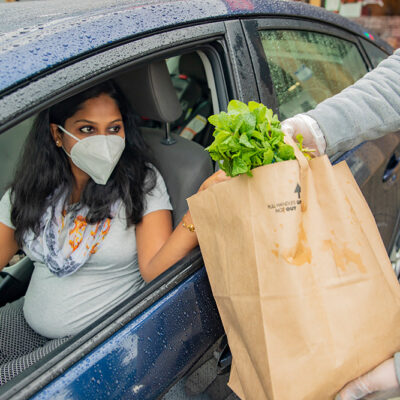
36 36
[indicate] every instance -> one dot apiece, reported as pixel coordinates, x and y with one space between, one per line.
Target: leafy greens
248 136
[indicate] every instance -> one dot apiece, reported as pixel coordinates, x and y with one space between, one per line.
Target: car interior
170 97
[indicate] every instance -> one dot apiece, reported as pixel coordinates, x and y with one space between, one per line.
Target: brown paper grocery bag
301 278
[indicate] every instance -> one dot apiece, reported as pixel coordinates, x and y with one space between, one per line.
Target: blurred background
379 16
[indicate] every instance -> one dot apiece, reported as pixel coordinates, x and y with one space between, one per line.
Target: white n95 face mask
96 155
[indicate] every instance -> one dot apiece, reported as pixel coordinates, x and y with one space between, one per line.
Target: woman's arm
8 245
158 246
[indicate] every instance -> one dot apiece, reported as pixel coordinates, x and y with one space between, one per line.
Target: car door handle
392 169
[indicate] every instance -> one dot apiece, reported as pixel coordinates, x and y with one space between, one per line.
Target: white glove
309 129
383 377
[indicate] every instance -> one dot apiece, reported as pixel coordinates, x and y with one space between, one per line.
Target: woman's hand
216 177
383 377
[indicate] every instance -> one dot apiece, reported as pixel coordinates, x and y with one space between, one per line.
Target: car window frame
253 26
208 38
364 43
74 76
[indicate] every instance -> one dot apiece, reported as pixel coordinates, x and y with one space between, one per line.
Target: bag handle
304 167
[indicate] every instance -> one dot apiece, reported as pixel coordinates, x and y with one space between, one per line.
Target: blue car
178 62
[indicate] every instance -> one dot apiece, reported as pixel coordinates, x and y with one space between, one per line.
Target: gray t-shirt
56 307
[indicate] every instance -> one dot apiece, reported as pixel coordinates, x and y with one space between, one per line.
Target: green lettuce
246 137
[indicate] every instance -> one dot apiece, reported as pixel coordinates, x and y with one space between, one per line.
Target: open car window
308 67
175 162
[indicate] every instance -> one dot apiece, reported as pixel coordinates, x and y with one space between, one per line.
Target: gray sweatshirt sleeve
366 110
397 366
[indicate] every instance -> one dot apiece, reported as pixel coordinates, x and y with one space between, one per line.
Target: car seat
183 164
195 98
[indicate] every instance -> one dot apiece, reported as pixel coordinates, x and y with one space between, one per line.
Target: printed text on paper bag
289 205
283 206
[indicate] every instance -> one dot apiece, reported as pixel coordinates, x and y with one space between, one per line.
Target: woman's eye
115 129
86 129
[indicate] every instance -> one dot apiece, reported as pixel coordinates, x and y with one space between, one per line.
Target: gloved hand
383 377
309 129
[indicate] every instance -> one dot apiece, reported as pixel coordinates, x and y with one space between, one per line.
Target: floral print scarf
81 241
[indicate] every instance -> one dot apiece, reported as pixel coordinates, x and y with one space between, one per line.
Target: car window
183 166
308 67
375 54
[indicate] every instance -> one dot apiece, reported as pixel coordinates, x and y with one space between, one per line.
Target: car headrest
184 166
191 65
150 91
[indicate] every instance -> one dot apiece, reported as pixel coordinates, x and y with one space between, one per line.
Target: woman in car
92 213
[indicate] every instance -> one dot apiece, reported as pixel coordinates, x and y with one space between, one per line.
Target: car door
299 64
142 348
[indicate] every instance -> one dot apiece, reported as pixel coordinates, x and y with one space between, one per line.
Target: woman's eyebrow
95 123
85 120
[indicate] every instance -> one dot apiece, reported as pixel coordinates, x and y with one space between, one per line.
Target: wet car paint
58 33
45 90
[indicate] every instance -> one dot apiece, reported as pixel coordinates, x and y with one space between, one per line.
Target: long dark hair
44 167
